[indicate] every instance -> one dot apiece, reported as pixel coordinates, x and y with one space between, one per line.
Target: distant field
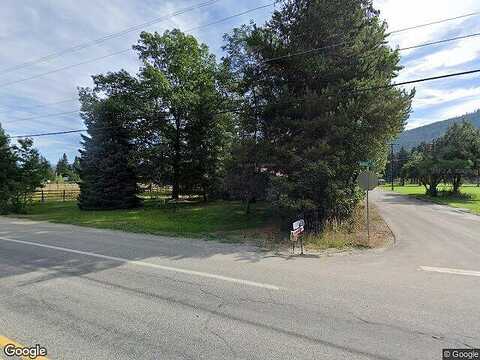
470 198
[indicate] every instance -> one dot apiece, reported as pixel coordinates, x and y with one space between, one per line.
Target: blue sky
31 29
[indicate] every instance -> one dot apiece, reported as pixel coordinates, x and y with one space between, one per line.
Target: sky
31 91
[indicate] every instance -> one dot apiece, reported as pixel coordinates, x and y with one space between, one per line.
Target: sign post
297 233
367 181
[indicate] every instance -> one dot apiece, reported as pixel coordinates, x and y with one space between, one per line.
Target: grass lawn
221 220
217 220
470 198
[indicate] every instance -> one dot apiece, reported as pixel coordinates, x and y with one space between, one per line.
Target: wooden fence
55 195
45 195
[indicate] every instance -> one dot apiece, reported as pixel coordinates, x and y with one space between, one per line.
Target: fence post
43 197
64 197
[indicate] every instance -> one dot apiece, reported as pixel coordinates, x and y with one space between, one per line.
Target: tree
243 179
246 178
402 159
108 180
315 121
75 170
459 152
182 135
63 167
32 170
7 172
23 170
428 167
409 169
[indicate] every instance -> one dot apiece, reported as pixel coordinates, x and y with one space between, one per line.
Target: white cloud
436 100
31 29
460 109
428 97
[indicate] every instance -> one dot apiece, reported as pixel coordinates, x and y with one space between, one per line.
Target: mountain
411 138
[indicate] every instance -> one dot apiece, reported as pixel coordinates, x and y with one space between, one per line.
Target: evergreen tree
108 180
75 170
32 171
8 172
63 167
316 121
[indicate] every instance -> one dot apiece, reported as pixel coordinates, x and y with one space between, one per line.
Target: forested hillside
414 137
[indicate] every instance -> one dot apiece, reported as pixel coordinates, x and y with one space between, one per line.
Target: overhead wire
444 76
272 59
108 37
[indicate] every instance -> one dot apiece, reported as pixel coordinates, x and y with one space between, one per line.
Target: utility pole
391 164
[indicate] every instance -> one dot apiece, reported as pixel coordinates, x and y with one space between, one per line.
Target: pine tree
63 168
75 170
108 180
32 171
315 123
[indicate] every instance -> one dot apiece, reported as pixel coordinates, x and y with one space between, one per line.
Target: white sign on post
297 233
298 224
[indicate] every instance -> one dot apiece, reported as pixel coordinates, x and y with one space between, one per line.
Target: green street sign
367 163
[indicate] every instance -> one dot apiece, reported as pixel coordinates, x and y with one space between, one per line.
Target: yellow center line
6 341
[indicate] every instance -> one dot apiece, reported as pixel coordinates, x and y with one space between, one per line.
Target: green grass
218 220
222 221
469 198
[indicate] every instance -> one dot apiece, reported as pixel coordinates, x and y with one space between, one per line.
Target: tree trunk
457 182
432 190
176 163
247 210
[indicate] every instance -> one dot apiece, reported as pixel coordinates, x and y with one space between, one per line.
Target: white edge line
146 264
450 271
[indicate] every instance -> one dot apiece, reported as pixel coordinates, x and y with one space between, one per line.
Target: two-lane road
85 293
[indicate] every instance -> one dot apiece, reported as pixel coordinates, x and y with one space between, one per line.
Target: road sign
368 180
367 164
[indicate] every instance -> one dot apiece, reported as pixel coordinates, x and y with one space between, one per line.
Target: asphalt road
94 294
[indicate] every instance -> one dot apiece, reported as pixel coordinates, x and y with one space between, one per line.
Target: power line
109 36
444 76
41 117
39 106
51 133
306 52
64 68
310 51
169 16
435 22
129 49
267 60
440 42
